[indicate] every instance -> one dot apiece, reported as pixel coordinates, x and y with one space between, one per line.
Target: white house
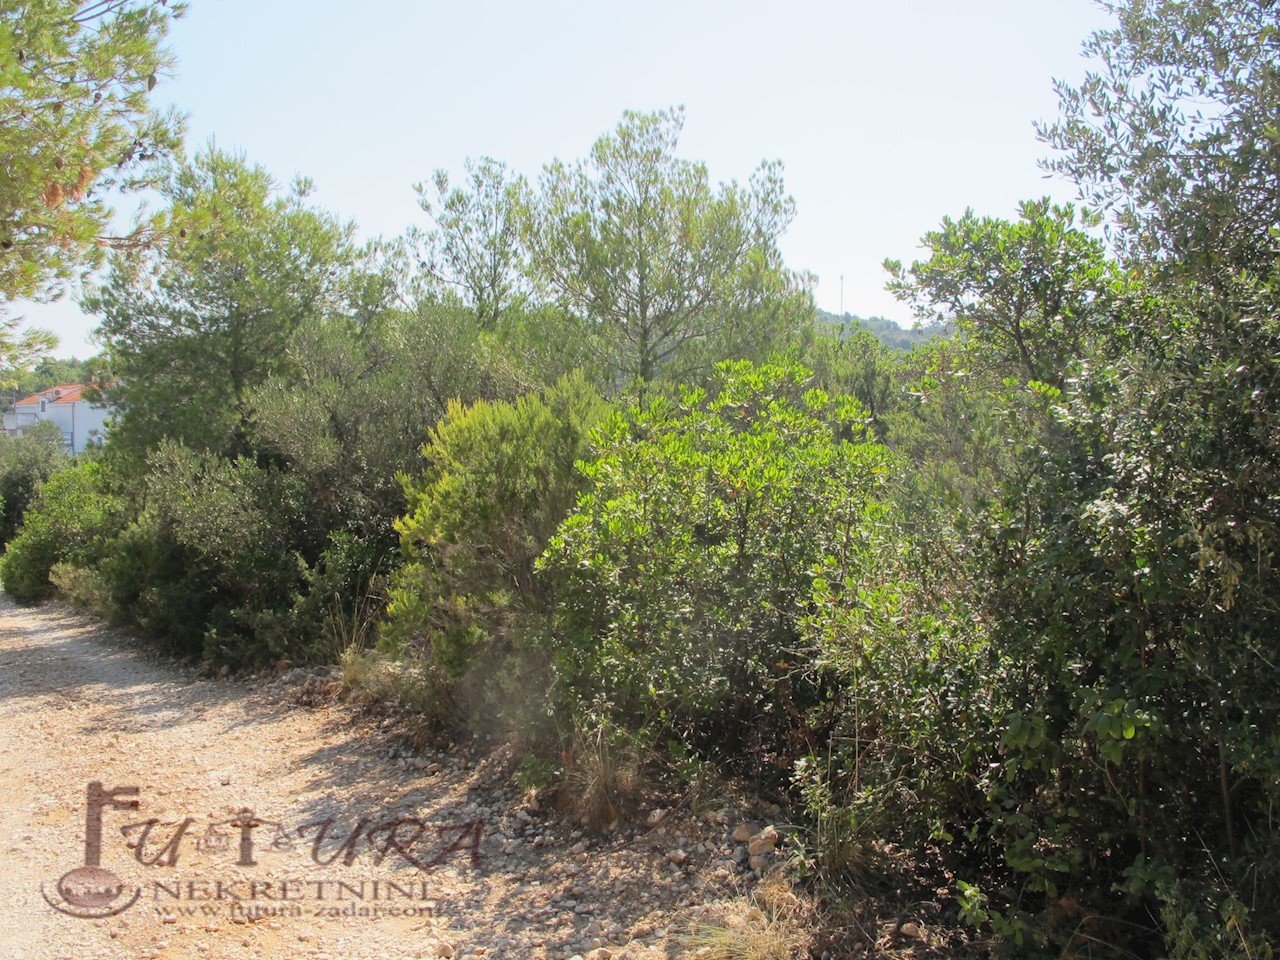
81 422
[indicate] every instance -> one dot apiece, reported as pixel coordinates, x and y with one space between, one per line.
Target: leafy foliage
68 521
684 575
25 463
856 363
209 555
475 249
665 274
1140 746
1175 133
75 123
356 403
1028 292
914 705
191 329
500 477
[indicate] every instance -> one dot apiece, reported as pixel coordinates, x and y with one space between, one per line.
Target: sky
886 116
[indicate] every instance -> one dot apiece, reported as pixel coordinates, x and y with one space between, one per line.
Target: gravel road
264 828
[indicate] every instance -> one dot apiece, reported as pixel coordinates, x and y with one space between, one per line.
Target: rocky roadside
273 822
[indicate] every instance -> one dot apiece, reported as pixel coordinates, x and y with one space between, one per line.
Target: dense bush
1134 606
283 554
25 463
192 600
851 361
67 522
211 561
915 714
360 402
683 577
499 478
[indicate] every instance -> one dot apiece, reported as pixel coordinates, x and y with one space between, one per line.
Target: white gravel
80 703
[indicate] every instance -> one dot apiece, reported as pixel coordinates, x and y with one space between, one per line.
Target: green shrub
211 562
150 581
25 463
499 478
914 704
68 521
223 560
683 577
1131 590
83 587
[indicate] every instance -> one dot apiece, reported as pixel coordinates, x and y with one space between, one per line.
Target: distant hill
885 330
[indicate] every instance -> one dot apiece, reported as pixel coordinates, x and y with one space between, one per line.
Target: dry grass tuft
603 776
363 675
774 923
372 678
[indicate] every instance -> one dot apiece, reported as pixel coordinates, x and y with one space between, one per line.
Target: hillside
886 331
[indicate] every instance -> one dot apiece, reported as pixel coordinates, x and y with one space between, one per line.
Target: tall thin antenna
842 296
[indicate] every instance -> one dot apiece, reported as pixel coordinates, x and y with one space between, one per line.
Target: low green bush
25 463
915 712
683 578
499 477
211 562
68 521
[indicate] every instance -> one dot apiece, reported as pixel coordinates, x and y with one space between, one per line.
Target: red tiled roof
62 393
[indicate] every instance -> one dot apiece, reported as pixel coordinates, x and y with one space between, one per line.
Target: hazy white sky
887 116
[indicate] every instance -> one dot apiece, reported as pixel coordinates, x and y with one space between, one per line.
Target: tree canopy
75 124
1176 132
667 273
474 250
192 327
1028 290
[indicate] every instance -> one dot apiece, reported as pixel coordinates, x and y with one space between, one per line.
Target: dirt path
444 861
